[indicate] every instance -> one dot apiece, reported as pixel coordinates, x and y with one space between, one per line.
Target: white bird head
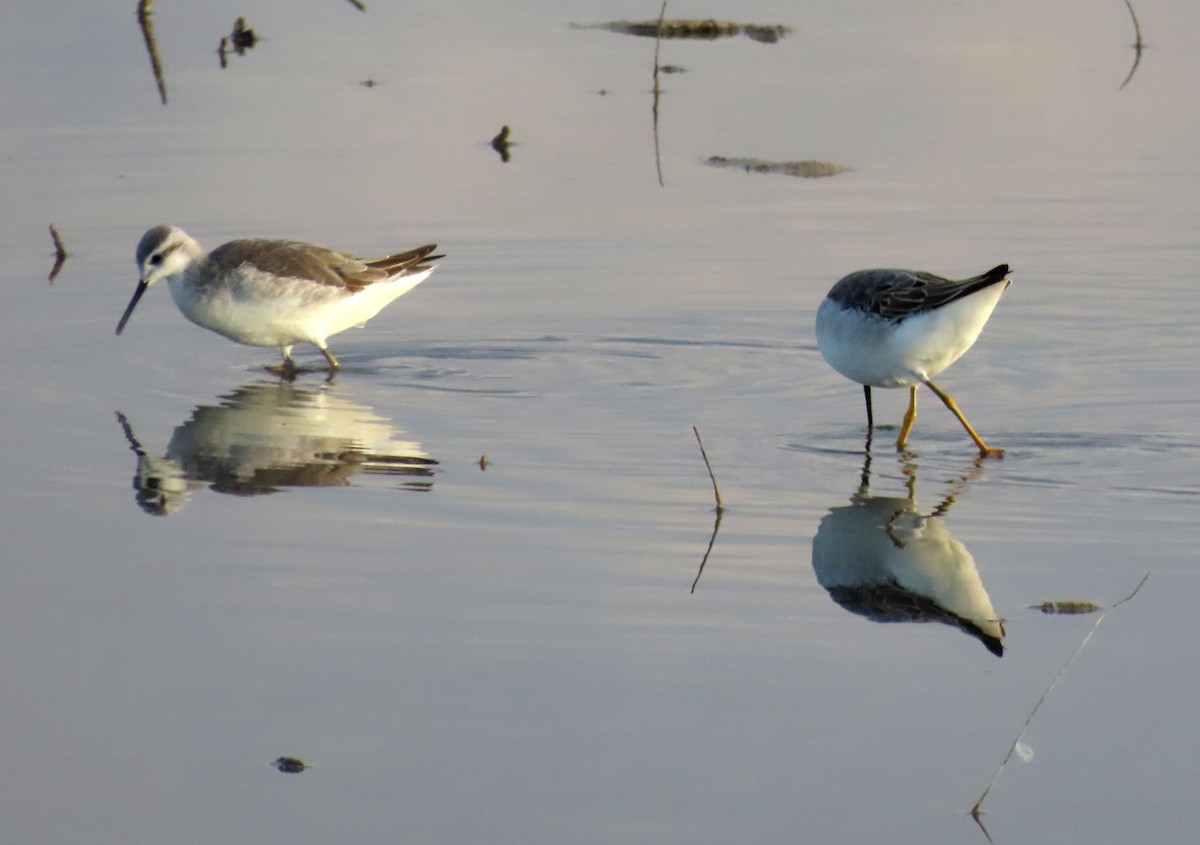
163 252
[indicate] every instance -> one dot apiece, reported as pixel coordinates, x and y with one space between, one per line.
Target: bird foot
286 371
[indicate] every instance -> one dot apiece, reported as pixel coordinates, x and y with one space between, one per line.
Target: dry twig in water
978 808
657 91
703 454
60 253
720 509
147 26
1137 44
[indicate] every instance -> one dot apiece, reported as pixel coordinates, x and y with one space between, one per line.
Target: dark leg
870 415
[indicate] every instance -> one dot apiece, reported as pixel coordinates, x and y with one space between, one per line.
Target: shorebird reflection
881 558
262 438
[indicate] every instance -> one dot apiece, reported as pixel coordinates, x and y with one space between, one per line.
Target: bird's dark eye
156 259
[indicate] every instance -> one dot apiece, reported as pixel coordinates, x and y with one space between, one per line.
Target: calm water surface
206 569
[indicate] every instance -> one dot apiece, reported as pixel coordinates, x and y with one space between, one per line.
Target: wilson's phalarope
274 293
900 328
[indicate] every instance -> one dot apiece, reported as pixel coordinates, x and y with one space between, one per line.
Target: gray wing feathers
896 294
295 260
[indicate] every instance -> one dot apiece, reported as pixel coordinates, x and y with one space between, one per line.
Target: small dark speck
290 765
501 143
243 37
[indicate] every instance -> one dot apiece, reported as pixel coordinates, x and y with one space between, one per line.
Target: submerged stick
978 808
711 540
60 253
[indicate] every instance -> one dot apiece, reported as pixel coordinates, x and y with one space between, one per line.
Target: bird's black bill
137 294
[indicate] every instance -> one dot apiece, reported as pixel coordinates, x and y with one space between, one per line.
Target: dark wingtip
425 258
998 272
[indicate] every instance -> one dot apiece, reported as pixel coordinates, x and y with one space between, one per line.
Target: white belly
881 353
269 311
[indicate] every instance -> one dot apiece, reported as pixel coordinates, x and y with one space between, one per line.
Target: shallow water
523 652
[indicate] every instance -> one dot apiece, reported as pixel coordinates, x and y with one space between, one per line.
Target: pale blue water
516 654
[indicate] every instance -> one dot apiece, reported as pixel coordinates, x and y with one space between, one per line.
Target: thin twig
720 507
1137 44
703 454
1137 29
975 811
658 90
147 25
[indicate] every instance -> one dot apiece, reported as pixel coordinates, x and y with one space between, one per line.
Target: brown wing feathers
291 259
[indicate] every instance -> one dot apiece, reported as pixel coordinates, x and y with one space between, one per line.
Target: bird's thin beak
137 294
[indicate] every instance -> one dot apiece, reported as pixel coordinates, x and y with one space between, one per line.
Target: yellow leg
910 417
334 363
984 451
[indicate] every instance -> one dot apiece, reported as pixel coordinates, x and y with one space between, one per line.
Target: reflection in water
807 169
697 30
147 25
262 438
883 559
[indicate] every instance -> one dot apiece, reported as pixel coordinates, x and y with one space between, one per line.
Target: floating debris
291 765
501 143
700 30
60 253
243 37
368 83
483 463
671 69
358 5
143 15
222 51
1066 607
765 34
804 169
